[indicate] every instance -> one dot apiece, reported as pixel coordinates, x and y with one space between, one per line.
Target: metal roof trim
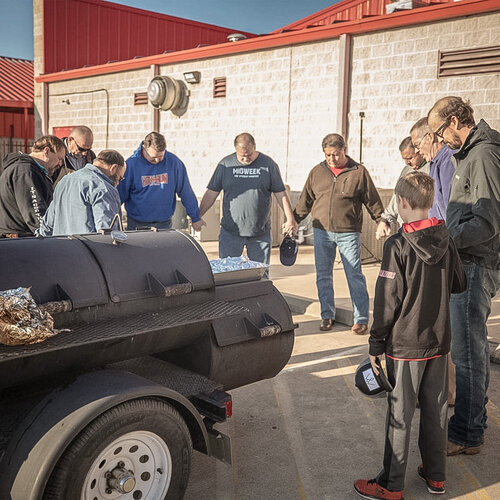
365 25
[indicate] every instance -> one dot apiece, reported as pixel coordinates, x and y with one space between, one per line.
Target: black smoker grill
153 294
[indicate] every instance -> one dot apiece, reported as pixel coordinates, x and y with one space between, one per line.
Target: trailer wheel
140 449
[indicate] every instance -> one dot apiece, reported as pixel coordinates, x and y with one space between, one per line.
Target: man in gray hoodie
473 220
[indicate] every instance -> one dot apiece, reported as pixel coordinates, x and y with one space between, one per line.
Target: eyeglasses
442 128
417 146
82 150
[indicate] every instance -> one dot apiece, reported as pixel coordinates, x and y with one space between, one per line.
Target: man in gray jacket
473 220
87 200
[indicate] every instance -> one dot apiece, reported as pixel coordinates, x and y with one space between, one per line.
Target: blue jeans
349 245
133 224
258 247
470 353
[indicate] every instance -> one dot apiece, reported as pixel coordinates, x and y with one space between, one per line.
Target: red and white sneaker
434 487
371 489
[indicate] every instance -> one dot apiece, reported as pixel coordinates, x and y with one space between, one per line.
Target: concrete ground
309 433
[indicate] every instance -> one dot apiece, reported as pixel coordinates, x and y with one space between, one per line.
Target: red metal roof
16 83
350 10
366 25
79 33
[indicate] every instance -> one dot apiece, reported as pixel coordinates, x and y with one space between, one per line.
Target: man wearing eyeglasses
473 220
441 168
79 152
88 200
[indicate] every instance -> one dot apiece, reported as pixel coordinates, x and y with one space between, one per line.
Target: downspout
156 111
344 83
45 97
26 130
288 113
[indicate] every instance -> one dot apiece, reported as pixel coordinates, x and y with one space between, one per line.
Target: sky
254 16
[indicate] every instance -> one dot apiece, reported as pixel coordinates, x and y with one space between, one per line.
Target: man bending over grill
87 200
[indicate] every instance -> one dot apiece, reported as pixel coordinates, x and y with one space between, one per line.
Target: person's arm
459 283
306 200
207 201
372 200
47 224
290 227
125 185
443 177
186 194
485 221
388 297
105 205
383 229
33 197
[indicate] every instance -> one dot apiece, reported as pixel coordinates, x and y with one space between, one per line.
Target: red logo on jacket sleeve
387 274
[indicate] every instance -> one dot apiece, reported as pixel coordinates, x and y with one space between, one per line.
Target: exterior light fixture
192 76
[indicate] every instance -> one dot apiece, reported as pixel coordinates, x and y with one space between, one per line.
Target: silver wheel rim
142 452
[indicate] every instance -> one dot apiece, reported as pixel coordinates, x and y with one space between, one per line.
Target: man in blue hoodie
154 177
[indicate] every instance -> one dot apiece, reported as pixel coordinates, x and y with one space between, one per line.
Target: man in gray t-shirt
248 178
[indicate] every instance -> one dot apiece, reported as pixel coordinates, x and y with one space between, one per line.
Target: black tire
138 417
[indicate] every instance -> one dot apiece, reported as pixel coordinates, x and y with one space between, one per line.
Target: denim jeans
470 353
349 245
133 224
258 247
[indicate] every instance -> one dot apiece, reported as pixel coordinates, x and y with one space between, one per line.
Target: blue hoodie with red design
149 190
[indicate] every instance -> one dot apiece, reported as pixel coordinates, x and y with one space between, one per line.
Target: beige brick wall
394 81
287 98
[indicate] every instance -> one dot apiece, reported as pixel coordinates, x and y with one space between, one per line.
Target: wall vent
219 86
140 98
469 62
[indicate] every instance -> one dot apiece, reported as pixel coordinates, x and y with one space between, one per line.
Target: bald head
244 144
80 141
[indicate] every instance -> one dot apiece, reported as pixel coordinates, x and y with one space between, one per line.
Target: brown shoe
359 329
326 324
457 449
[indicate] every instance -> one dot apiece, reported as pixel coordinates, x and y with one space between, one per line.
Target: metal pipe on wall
84 92
343 84
156 111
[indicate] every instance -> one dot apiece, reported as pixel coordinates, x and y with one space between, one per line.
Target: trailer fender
42 437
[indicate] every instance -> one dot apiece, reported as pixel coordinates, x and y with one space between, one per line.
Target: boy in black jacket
411 325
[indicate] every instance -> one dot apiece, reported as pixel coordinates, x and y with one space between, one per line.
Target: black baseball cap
288 251
368 382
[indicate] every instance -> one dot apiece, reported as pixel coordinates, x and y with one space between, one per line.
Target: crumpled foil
21 320
234 264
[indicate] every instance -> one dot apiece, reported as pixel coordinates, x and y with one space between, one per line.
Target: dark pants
133 224
427 383
470 353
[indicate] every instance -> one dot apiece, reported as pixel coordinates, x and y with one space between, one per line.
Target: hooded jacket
336 201
473 216
411 314
25 193
148 190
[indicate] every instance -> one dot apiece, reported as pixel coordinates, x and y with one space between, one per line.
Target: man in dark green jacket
473 220
334 194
